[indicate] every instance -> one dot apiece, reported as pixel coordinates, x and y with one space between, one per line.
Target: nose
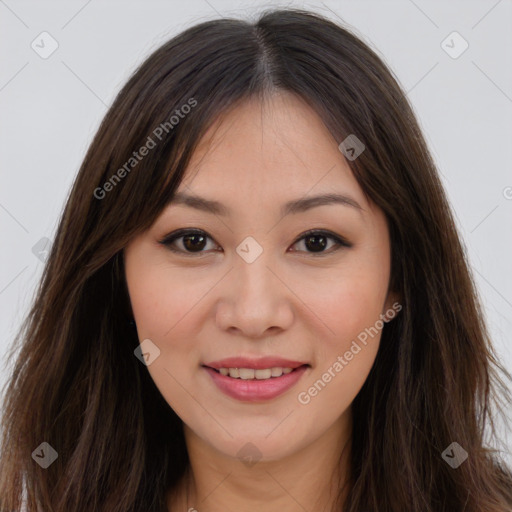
254 301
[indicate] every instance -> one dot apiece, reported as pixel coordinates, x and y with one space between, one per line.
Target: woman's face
251 285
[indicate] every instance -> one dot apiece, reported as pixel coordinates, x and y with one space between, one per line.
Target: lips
251 382
255 364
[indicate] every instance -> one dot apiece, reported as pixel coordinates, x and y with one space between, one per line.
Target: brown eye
187 241
196 242
318 241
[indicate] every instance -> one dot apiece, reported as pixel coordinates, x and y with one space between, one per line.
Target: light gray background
50 109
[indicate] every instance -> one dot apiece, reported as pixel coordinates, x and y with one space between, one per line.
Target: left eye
195 241
317 241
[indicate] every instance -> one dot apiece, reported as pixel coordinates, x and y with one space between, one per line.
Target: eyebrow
291 207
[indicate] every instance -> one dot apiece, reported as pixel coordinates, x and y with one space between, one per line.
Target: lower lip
256 390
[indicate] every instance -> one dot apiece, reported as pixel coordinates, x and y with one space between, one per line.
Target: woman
257 298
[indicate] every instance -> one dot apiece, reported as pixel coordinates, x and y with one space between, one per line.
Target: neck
309 479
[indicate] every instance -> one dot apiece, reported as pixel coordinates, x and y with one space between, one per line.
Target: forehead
275 149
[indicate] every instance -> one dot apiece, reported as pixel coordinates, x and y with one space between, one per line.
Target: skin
290 302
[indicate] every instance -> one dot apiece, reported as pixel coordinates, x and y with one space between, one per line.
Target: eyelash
169 239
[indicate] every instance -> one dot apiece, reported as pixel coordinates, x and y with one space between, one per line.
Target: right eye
186 241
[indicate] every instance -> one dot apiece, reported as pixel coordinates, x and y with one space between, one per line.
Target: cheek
163 297
347 350
349 304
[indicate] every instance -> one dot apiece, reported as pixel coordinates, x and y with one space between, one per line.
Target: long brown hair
76 383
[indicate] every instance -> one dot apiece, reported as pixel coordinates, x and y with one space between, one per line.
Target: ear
392 305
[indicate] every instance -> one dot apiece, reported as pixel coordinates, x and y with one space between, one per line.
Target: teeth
245 373
263 374
251 374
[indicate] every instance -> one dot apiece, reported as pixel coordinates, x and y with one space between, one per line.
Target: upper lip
256 364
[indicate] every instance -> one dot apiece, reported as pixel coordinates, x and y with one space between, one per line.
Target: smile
251 373
255 385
